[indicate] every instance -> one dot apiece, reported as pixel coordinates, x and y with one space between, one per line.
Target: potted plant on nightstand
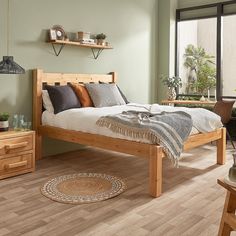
4 123
101 39
172 83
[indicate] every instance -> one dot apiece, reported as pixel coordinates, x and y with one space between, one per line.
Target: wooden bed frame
153 153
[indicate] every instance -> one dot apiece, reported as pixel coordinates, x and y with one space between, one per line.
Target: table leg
229 207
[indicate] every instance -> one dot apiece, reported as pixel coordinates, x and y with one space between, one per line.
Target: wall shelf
96 49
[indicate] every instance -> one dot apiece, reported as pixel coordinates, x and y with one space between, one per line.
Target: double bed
54 126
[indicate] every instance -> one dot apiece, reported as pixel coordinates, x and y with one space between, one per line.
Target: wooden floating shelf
62 43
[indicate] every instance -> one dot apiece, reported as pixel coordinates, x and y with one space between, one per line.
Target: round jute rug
83 188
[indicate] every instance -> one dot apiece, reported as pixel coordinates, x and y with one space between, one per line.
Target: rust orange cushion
82 94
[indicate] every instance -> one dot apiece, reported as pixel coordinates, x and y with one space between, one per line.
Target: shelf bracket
97 52
57 52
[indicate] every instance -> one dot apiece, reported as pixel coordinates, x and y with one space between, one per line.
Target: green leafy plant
101 36
171 82
4 116
202 71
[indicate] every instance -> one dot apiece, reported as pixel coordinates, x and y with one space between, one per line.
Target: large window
229 56
206 50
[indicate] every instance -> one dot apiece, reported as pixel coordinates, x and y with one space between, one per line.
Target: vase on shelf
202 99
171 93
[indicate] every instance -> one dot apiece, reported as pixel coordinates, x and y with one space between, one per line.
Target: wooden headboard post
37 110
40 77
114 77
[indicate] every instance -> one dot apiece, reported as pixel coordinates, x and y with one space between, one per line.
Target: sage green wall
129 24
166 42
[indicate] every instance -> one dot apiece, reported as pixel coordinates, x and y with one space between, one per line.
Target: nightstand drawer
16 145
16 164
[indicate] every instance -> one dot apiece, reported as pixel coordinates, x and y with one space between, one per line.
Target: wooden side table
228 219
187 102
17 153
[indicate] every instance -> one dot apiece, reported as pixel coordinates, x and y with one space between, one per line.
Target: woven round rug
83 188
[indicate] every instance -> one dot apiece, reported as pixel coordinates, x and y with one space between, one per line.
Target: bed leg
155 171
38 146
221 148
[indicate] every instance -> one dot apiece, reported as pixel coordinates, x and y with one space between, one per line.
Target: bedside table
17 153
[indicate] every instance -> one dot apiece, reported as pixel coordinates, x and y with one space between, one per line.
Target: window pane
229 56
197 56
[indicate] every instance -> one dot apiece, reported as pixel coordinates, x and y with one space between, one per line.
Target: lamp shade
8 66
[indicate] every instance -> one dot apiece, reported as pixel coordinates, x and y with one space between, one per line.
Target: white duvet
84 119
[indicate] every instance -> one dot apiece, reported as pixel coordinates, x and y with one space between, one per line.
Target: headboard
40 78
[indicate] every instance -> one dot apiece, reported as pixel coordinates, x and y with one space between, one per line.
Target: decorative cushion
104 95
47 104
82 94
62 98
121 93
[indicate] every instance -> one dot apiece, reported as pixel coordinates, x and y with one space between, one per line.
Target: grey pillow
104 95
121 93
62 98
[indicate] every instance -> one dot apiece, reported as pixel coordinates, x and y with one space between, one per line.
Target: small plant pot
4 126
101 42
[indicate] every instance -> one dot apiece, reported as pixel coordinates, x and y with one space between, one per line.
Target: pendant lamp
8 65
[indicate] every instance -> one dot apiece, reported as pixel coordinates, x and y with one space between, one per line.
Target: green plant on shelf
101 36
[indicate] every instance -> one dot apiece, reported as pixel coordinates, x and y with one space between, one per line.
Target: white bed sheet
84 119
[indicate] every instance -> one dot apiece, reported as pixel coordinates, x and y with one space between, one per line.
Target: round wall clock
61 35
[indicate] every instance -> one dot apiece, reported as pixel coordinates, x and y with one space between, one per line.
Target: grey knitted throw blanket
168 129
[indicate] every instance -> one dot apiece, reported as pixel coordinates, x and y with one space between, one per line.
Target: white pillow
47 104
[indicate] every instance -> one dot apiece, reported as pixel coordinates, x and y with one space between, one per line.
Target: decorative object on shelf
232 170
101 39
8 65
84 38
52 34
60 33
172 83
83 35
202 99
4 123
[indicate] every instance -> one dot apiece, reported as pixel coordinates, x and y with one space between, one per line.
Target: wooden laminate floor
191 204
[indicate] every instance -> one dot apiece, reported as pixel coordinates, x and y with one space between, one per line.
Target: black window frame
218 16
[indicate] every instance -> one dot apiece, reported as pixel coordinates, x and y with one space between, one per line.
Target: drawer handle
15 146
15 165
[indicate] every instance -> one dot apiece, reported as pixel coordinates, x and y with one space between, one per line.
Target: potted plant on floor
4 123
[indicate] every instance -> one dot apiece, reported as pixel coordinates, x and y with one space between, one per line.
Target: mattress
84 119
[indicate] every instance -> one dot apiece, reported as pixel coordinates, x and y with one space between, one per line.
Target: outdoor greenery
202 70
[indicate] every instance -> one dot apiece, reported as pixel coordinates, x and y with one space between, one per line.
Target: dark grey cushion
121 93
62 98
105 95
